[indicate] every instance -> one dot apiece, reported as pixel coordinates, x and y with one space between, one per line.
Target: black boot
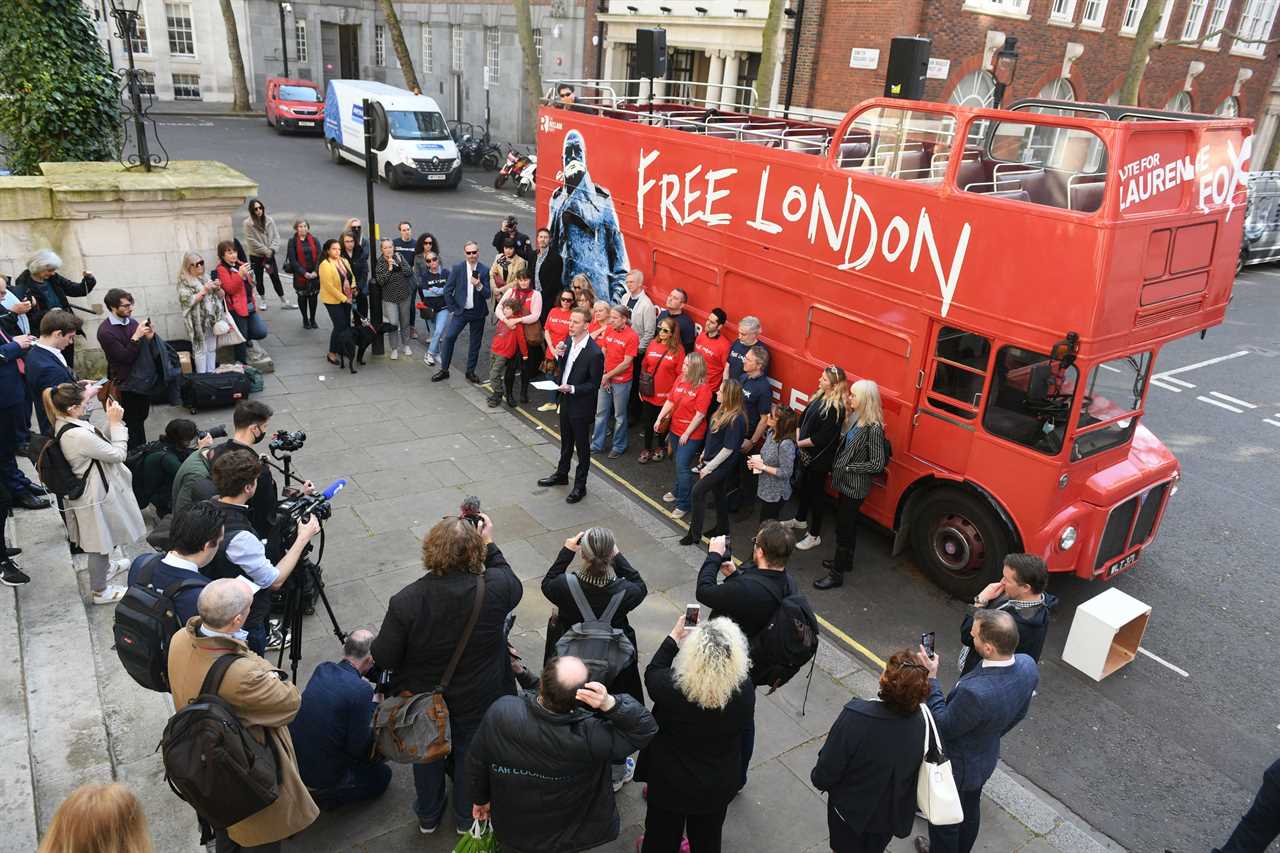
832 580
524 392
494 400
510 388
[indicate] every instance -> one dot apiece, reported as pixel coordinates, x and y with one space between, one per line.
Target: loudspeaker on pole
908 67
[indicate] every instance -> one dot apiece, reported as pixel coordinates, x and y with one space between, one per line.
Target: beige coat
262 701
497 280
102 516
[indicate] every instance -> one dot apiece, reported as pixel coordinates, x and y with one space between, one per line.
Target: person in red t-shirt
555 330
687 407
713 346
599 321
508 349
621 345
662 361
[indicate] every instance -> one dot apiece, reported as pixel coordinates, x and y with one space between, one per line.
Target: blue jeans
364 782
457 323
428 779
611 402
441 322
241 351
685 455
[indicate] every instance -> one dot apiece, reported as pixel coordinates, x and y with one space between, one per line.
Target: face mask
257 439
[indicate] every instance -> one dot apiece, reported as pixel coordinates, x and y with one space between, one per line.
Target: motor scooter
516 161
527 179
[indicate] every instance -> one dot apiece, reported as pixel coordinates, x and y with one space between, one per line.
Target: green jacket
192 481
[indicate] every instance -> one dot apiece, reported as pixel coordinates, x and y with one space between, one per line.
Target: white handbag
936 793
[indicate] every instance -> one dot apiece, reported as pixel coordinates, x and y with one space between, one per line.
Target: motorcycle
514 163
527 180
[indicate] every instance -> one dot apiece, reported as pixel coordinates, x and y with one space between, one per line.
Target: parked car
294 105
1261 242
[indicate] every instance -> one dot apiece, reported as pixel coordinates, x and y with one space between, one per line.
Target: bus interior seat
911 165
970 172
1016 195
1086 198
852 154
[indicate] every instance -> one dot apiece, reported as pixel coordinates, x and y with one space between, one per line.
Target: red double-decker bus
1008 277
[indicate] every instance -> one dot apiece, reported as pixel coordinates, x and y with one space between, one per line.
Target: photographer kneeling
235 477
426 622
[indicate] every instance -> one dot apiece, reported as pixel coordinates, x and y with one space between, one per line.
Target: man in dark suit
46 366
467 298
15 419
580 364
548 268
983 707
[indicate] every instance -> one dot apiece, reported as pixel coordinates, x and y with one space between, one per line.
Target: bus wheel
959 541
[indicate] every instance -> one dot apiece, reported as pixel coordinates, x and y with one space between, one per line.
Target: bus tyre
334 155
959 541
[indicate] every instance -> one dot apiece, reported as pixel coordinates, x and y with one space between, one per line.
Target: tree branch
1215 34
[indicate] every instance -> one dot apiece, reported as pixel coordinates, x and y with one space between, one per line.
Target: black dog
354 341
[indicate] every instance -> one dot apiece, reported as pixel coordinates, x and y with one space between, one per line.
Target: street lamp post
1005 67
126 14
284 41
798 16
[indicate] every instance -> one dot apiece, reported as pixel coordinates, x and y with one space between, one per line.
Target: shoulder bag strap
466 633
580 598
213 679
930 727
149 569
95 463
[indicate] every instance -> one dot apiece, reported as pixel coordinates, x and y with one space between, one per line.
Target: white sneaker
395 353
548 407
287 304
407 351
668 498
808 542
678 513
262 304
118 566
795 524
110 595
429 360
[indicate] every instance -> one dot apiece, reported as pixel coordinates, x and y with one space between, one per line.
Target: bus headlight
1067 538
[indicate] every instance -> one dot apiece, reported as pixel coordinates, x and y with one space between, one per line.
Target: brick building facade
1071 49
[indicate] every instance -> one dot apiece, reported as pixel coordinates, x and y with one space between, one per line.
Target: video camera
287 442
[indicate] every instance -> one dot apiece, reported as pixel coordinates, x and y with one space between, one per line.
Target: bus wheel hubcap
957 544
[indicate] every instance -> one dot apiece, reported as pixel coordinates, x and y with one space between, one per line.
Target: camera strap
466 633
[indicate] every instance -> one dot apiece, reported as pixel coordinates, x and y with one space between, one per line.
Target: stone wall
129 228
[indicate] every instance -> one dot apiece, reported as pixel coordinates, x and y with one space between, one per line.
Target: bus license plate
1120 565
306 124
436 177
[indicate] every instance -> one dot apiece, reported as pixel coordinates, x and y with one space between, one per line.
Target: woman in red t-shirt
599 320
687 406
555 330
663 361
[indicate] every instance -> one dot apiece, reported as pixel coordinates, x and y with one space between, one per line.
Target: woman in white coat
107 513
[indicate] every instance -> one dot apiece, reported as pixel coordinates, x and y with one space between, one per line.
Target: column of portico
715 74
728 94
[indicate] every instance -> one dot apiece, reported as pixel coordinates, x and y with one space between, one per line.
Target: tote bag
936 793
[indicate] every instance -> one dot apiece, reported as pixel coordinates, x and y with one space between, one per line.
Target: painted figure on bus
584 227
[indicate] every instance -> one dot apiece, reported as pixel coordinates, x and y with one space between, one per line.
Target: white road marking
1159 384
1219 404
1109 367
1164 662
1238 402
1181 382
1269 421
1166 373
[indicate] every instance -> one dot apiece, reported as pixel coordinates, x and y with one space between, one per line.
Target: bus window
1062 167
910 145
1030 400
1109 407
959 372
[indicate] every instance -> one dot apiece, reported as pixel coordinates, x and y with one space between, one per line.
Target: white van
419 148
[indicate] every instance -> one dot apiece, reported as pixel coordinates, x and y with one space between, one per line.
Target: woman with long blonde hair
98 819
204 313
815 449
703 701
862 453
720 456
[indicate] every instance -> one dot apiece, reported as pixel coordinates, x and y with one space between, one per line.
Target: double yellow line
646 499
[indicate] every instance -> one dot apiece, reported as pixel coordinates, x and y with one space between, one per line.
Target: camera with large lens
288 442
219 431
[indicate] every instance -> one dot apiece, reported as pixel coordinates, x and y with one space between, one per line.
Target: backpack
135 462
54 470
787 643
605 650
213 761
146 620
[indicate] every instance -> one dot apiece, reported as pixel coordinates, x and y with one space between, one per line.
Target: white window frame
1256 20
1162 27
1217 20
1004 8
457 47
537 45
380 45
1099 15
493 51
428 57
174 79
1194 20
170 30
1062 11
300 39
147 82
1133 12
142 41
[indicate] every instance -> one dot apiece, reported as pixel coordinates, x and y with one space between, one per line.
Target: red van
294 105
